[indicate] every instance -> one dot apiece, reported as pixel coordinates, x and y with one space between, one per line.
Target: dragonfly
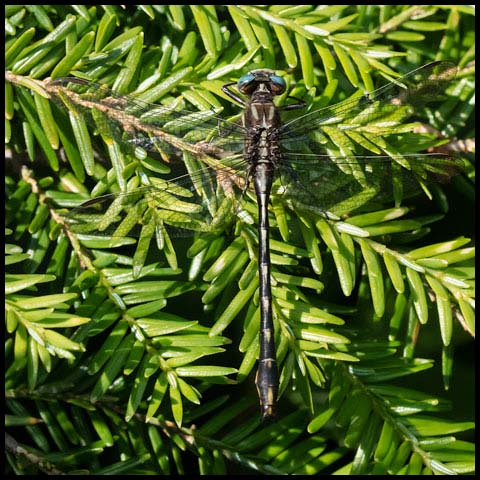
309 161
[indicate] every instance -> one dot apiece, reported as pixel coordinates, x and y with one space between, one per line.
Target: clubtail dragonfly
302 161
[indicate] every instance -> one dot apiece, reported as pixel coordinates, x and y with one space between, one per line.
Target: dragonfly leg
233 95
294 106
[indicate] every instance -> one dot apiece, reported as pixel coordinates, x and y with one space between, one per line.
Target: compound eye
246 83
277 84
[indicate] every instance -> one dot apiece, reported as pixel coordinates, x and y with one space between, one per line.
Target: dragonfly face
261 79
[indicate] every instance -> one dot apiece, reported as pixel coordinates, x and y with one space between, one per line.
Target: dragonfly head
261 79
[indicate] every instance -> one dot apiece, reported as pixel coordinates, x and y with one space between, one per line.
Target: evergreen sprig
109 370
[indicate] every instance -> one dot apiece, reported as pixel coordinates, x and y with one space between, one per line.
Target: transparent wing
152 127
135 123
321 167
343 184
412 91
210 199
206 201
206 198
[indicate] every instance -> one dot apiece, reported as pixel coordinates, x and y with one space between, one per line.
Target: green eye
245 80
278 84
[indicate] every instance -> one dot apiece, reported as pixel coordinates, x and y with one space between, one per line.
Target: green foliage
120 356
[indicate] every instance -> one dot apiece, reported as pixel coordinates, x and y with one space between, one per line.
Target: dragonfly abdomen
267 374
